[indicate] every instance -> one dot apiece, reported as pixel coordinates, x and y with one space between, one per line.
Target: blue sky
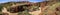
3 1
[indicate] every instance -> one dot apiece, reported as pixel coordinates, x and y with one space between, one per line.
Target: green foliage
26 12
1 7
52 9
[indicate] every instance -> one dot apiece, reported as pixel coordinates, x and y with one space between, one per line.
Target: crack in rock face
31 9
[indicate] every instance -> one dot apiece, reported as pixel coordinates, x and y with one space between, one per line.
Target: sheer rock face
18 8
58 9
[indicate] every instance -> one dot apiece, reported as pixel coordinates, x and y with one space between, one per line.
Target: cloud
23 0
13 0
